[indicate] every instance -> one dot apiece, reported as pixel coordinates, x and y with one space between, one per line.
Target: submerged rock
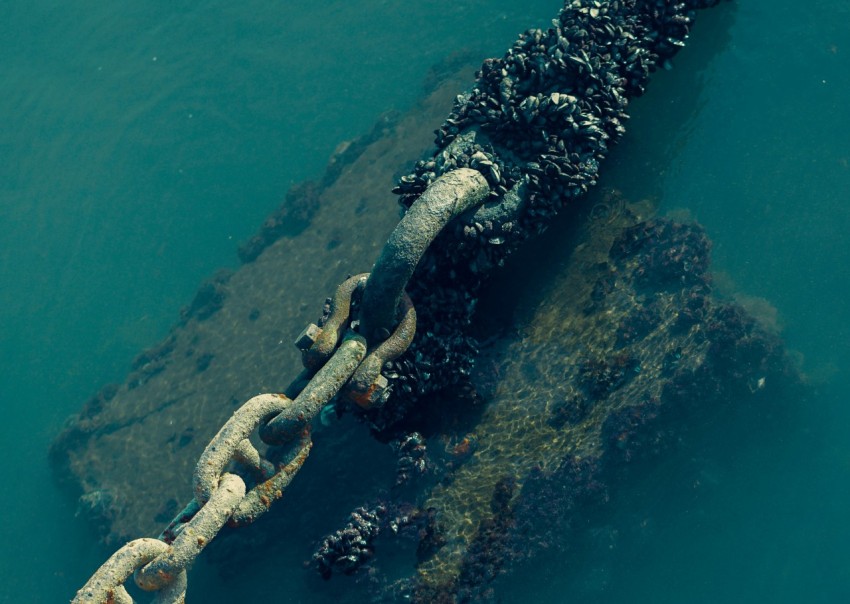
579 412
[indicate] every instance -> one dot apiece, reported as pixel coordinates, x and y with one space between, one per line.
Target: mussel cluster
412 457
351 546
536 123
552 106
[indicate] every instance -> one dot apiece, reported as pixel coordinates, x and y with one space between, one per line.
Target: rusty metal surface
317 344
367 387
318 392
164 570
107 585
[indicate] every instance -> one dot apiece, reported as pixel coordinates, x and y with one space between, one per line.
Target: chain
529 136
338 361
107 584
448 196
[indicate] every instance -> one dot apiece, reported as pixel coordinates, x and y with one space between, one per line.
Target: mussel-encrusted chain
448 196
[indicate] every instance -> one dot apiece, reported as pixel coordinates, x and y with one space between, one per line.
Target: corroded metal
259 499
160 565
328 381
107 583
232 436
179 522
250 459
172 562
328 337
448 196
367 386
232 442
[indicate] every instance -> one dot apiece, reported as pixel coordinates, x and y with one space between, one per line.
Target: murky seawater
141 142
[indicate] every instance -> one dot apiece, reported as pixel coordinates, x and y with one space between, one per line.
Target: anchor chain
343 358
532 132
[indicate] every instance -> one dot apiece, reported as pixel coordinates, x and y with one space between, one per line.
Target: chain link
196 534
318 392
367 386
447 197
107 584
317 344
335 364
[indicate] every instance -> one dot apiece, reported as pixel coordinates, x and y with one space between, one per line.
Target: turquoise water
141 142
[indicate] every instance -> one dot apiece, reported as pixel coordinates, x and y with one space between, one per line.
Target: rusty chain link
448 196
107 584
194 537
338 361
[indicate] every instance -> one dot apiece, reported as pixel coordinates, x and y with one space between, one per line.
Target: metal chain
606 49
107 584
338 361
561 139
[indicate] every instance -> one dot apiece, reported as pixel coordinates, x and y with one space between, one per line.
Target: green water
141 142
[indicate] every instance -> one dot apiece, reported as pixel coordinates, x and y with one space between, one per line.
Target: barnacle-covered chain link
318 392
337 359
367 387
